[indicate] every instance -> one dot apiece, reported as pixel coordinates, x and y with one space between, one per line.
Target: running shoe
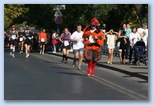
79 67
40 51
13 55
10 53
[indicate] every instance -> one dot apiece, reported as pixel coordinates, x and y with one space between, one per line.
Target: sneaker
13 55
40 51
54 52
21 52
73 65
43 53
27 56
10 53
88 74
79 67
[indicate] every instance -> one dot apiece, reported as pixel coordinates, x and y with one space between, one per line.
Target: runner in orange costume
93 40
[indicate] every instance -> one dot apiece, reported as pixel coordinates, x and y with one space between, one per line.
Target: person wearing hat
93 40
13 34
28 41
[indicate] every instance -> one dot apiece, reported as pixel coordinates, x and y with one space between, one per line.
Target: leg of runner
43 49
64 54
11 49
40 48
80 59
22 47
26 50
67 53
76 53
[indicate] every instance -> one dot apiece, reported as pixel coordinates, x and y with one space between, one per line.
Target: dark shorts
42 43
13 42
66 47
28 42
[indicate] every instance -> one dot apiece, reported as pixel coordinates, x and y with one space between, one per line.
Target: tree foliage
12 12
42 15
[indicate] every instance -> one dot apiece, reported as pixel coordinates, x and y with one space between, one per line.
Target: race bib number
42 40
13 36
91 39
66 43
20 39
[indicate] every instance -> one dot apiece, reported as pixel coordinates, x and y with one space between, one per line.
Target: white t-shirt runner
77 36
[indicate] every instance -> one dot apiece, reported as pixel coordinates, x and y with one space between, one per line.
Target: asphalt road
44 77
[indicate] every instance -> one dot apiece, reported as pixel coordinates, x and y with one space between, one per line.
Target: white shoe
43 53
88 74
79 67
40 51
53 52
10 53
13 55
28 54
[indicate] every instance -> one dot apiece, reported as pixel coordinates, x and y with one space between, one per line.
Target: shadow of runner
131 74
70 73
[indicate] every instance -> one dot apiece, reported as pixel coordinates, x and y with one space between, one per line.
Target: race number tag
20 39
66 43
13 36
91 39
42 39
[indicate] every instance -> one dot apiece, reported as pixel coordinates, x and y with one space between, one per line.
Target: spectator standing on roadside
143 31
54 41
121 37
133 38
111 40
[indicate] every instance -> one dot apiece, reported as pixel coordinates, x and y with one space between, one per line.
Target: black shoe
65 62
62 61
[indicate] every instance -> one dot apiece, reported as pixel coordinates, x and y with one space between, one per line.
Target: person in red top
42 41
93 40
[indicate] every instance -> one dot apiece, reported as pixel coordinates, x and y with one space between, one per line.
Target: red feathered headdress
94 21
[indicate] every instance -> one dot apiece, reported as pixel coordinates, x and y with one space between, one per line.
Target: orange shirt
43 37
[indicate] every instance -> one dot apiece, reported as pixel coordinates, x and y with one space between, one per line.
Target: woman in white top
133 38
111 39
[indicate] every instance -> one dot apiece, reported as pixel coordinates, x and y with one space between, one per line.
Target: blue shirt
128 31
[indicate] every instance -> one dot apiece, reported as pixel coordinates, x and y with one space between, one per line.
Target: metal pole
58 29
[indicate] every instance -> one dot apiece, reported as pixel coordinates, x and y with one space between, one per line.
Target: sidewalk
132 70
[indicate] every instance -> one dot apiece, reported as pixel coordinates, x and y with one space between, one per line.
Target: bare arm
60 38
